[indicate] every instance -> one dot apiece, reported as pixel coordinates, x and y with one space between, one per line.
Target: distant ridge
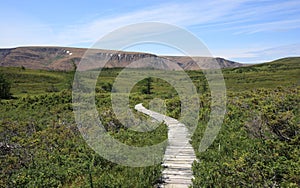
188 63
66 59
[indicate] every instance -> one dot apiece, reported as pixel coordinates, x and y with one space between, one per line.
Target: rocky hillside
189 63
65 58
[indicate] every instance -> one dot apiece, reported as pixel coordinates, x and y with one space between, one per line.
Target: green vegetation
258 145
42 147
284 72
147 88
32 82
4 88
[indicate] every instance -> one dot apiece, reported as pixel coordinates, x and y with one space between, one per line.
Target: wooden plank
179 155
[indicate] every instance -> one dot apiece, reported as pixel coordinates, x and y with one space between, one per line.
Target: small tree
204 87
107 87
4 88
148 87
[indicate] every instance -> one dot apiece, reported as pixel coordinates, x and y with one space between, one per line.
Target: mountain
66 58
285 63
189 63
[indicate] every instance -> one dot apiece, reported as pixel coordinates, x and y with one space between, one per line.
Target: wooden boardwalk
179 154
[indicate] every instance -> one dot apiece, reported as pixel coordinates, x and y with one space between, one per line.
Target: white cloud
233 53
242 17
259 55
183 14
279 51
239 17
24 31
251 17
269 26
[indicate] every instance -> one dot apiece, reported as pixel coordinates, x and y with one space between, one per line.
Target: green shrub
4 88
51 89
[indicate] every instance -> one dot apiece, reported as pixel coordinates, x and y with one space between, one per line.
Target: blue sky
241 30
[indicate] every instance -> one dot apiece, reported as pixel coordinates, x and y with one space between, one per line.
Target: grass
284 72
49 151
34 82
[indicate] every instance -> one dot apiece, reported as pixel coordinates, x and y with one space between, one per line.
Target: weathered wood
179 155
